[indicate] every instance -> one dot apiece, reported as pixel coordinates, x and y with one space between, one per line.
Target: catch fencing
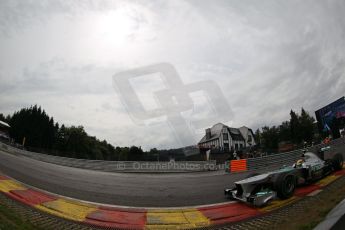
116 166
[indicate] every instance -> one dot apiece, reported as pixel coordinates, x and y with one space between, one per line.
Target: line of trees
42 134
298 130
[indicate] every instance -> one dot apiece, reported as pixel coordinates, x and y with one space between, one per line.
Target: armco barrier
117 166
274 160
280 159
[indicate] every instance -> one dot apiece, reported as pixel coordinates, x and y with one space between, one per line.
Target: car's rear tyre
337 162
285 185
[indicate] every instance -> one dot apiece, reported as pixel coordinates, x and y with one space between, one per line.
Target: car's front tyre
285 185
337 162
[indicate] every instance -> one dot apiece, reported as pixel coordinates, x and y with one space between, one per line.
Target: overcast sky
267 57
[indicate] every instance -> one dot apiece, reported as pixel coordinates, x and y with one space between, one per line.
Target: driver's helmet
299 163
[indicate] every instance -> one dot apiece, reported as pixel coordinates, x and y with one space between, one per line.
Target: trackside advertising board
328 115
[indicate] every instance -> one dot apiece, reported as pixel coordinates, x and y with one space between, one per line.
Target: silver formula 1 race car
260 189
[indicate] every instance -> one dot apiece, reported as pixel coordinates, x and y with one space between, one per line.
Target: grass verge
9 220
316 211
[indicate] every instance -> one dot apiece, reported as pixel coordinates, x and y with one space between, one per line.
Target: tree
2 117
306 126
295 128
124 153
136 153
285 131
35 125
153 154
257 137
270 138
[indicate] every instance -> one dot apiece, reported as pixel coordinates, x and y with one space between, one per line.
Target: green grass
9 220
309 226
315 212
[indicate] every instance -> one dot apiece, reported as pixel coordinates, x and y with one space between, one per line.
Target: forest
43 134
301 129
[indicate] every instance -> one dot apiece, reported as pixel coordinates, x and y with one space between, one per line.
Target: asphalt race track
128 189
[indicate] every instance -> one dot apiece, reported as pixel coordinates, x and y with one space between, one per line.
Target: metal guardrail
274 160
117 166
287 158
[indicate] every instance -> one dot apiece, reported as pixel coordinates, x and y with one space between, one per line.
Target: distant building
248 136
225 138
4 130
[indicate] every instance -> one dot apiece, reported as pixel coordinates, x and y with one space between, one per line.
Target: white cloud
267 56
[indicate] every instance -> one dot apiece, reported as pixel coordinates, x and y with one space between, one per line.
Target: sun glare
115 27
